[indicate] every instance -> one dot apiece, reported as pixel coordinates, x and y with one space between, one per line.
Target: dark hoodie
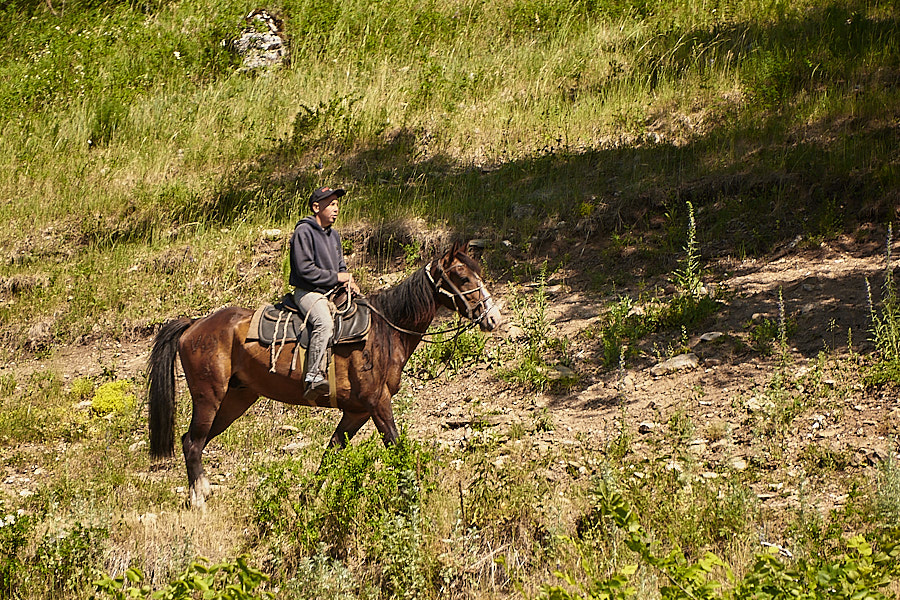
316 257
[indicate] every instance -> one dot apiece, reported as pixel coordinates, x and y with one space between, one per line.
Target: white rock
711 336
682 362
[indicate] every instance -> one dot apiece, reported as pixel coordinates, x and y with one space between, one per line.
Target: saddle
283 322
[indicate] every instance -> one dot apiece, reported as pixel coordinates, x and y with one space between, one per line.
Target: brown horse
226 374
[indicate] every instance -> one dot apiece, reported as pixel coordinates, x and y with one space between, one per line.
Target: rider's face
328 211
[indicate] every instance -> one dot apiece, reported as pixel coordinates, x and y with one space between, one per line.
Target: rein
459 329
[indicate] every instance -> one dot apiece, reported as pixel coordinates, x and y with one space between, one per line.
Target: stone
261 45
738 464
514 332
270 234
711 336
682 362
647 427
294 446
560 372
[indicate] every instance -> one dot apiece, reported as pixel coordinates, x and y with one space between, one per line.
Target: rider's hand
346 278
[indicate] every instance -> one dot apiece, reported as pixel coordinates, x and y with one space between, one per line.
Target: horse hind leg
209 420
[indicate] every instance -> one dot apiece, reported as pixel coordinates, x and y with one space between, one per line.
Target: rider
317 267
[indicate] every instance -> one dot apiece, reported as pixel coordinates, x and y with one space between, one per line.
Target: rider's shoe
316 387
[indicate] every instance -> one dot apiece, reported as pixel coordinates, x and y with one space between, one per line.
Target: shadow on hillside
826 307
616 214
755 178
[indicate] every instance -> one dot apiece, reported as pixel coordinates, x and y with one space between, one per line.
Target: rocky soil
724 404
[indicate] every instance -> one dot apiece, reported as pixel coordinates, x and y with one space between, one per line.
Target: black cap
324 192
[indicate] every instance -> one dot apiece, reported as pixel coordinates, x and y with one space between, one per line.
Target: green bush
67 560
864 569
222 581
113 397
15 532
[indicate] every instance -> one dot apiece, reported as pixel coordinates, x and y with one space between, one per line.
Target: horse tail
161 387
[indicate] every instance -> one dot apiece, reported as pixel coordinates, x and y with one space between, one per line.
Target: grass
141 166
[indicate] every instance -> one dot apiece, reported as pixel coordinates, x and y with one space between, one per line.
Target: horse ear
448 258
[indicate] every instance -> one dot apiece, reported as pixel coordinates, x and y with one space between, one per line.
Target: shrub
67 559
14 536
113 397
223 581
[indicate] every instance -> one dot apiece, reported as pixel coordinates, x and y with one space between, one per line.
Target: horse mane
412 301
409 302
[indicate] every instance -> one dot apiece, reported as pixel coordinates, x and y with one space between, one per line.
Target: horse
226 374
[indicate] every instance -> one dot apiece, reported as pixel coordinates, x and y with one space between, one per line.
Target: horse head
457 282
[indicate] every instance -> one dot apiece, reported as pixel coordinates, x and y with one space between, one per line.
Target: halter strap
486 302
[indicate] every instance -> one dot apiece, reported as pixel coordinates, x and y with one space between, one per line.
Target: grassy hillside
131 130
140 163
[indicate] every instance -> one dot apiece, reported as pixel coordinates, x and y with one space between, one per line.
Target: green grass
449 113
140 164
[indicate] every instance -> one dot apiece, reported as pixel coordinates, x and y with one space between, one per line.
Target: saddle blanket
282 323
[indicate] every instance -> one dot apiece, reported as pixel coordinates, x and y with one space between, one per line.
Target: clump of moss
113 397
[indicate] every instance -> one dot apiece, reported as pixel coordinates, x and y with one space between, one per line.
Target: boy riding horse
317 267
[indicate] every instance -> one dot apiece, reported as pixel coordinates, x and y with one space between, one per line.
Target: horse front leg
350 423
383 417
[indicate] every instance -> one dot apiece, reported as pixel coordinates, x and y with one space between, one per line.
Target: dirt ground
723 395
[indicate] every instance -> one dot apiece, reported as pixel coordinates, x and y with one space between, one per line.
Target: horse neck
411 305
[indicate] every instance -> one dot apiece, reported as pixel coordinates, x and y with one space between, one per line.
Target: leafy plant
14 536
221 581
67 560
861 572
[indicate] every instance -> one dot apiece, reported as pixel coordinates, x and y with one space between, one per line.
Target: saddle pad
274 323
297 353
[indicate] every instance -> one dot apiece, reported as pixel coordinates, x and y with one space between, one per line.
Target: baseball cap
324 192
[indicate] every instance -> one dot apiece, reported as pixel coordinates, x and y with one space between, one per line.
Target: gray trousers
321 325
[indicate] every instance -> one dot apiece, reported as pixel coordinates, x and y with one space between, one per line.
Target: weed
688 278
681 426
765 332
82 388
7 385
884 325
819 460
66 561
542 420
887 498
530 370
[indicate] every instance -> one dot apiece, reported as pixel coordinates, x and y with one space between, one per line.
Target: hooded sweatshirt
316 257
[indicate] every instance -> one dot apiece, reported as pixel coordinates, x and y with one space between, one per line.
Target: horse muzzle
491 320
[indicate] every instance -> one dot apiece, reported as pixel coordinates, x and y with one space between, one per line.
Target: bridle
456 295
